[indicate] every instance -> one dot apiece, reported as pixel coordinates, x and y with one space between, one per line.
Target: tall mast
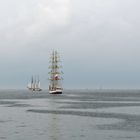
32 82
38 83
55 71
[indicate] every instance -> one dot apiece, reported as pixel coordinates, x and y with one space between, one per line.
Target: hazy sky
97 39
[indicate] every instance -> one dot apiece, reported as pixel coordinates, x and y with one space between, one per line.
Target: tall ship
55 78
34 85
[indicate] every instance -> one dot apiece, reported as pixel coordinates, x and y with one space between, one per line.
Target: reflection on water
74 115
54 123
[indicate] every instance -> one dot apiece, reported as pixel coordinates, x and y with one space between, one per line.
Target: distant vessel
55 78
34 85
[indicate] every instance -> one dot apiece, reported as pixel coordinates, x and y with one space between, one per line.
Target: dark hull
55 92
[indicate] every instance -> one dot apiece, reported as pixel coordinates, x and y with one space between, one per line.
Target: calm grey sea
74 115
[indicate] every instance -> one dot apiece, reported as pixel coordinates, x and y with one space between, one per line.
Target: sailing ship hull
33 89
55 91
37 89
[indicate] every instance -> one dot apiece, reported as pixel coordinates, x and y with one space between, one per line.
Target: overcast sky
97 39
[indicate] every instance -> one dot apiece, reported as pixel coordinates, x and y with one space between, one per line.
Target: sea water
74 115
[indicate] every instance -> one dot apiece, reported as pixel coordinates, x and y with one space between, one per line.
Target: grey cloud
99 40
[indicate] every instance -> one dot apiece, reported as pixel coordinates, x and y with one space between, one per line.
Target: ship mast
55 77
32 82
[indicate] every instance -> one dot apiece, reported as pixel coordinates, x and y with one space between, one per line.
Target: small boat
55 86
34 85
